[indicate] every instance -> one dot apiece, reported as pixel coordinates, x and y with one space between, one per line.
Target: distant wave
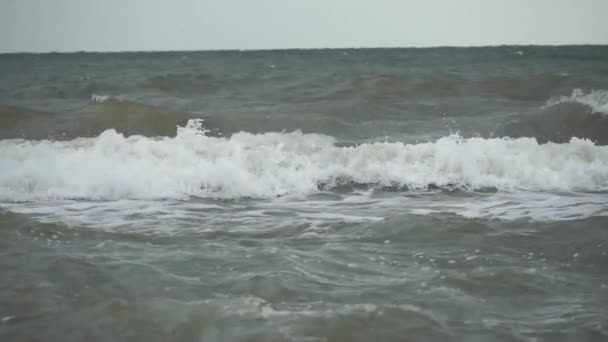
61 88
187 83
298 88
104 97
111 166
103 112
597 100
533 87
562 118
581 114
129 118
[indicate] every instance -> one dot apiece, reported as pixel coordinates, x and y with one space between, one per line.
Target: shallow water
336 195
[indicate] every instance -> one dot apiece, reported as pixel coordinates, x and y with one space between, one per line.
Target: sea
430 194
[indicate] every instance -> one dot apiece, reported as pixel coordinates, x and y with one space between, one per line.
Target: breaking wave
597 100
112 166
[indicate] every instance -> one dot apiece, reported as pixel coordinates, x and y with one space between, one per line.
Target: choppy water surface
335 195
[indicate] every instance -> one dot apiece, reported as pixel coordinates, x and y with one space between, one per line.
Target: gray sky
119 25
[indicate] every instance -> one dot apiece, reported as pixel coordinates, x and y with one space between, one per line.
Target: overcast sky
119 25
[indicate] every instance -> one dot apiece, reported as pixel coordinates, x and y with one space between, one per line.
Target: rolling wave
111 166
101 113
582 115
597 100
375 87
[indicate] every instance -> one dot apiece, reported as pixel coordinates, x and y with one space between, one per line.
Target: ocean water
446 194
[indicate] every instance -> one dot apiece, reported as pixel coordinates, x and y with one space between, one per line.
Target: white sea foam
100 98
103 98
112 166
597 100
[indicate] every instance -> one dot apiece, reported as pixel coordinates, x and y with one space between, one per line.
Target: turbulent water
330 195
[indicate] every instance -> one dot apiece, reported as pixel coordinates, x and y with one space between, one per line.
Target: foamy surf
111 166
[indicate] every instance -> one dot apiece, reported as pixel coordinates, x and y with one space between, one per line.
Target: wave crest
112 166
597 100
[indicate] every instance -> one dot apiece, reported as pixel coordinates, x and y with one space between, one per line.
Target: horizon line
421 47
